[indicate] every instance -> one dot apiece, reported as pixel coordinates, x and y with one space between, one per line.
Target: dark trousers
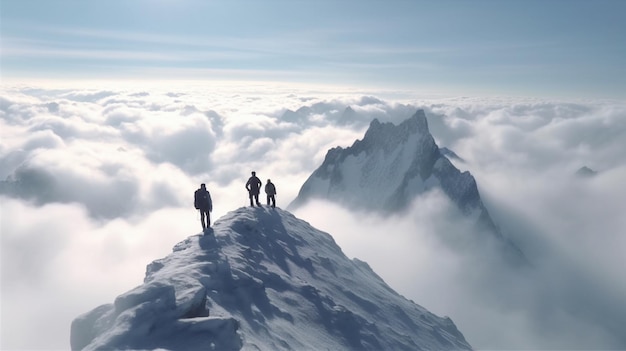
271 198
206 223
256 199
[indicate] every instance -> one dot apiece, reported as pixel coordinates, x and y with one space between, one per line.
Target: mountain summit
261 279
389 168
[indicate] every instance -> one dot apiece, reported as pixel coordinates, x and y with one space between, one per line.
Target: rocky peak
391 166
384 133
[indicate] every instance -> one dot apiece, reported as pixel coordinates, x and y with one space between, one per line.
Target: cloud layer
97 183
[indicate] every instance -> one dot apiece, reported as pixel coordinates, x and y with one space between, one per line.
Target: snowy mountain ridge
262 279
389 168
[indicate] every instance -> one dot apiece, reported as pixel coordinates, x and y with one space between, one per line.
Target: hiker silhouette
270 190
253 186
202 202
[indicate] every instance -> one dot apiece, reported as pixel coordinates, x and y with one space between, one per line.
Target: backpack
197 199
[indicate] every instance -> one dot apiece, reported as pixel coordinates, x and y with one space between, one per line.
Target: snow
389 168
262 279
373 172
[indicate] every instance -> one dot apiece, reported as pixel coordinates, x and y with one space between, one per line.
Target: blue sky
533 48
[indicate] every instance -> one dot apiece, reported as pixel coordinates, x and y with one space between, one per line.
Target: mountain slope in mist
389 168
261 279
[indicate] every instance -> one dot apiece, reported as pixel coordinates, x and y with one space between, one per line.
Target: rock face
261 279
450 154
387 169
391 166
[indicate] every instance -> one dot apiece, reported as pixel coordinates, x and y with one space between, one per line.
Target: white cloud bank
100 182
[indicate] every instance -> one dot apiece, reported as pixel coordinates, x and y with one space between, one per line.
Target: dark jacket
270 189
202 200
253 185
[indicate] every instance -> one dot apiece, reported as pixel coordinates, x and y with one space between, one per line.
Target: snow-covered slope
387 169
391 166
261 279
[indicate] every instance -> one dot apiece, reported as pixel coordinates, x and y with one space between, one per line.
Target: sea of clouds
97 182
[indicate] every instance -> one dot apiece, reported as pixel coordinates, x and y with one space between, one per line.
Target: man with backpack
253 186
203 203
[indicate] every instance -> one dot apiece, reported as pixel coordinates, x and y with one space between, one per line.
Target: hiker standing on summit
270 190
202 202
253 186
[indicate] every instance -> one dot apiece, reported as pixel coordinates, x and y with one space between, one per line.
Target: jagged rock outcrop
450 154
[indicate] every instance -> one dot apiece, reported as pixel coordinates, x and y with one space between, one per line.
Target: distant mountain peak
349 110
586 172
387 169
417 124
261 279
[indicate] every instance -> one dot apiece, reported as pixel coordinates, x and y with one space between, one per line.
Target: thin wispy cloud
473 49
97 55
